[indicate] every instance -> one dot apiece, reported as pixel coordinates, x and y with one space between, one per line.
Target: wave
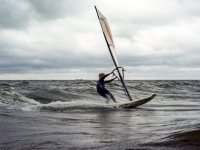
12 95
182 140
14 100
187 138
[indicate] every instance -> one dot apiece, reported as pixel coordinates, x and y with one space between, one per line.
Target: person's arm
108 81
102 78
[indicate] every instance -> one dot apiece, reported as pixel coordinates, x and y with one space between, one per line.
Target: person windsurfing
101 87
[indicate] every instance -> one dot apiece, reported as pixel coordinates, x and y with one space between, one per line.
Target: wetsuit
103 91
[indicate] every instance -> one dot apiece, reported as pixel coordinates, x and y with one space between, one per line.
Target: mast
112 56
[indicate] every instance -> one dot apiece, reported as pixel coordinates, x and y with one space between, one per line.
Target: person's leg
111 95
106 97
103 93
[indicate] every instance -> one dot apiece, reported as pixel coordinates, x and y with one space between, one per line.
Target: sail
107 33
111 46
106 28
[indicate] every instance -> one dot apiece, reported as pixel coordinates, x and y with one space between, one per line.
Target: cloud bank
49 39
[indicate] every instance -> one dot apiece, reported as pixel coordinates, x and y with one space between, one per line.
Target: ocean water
71 115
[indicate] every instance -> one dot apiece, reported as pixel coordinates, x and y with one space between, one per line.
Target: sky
62 39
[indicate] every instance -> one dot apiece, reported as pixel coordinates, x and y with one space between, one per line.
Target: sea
62 115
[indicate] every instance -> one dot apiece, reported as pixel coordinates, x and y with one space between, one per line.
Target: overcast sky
62 39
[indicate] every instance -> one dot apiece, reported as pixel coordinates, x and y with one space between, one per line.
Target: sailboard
111 47
134 104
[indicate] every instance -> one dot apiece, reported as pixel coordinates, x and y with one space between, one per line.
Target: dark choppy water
70 115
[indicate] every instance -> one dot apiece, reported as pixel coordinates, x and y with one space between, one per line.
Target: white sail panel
108 35
106 28
114 55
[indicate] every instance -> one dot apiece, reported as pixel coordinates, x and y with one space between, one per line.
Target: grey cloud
51 9
12 61
21 64
172 60
17 14
13 14
159 13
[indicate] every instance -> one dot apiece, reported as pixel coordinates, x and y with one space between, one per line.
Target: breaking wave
14 100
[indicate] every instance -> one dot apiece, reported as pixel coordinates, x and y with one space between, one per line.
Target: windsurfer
101 87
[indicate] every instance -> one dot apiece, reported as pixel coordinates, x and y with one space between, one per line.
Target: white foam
80 104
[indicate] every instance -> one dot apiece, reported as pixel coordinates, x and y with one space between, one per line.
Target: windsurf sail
111 46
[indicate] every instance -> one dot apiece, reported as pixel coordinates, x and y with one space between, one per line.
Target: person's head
101 75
